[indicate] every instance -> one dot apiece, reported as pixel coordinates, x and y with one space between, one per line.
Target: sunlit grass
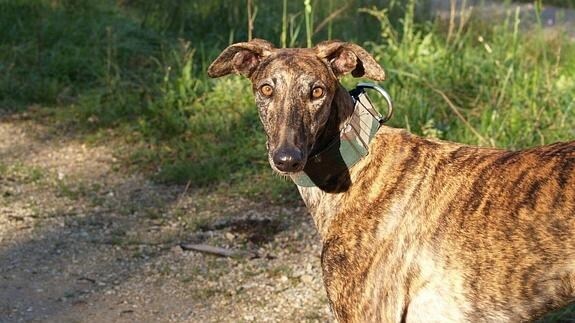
138 73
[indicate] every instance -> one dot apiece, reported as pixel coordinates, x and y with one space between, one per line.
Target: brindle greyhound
419 229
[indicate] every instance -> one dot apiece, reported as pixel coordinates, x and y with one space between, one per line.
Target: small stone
177 250
230 236
306 279
283 278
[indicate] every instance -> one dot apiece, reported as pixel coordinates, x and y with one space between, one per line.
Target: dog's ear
241 58
348 57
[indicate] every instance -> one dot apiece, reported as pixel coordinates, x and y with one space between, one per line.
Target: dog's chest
375 286
436 303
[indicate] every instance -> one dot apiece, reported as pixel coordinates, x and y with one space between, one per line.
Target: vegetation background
134 71
138 68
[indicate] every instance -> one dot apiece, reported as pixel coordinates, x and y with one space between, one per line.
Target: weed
20 173
282 270
194 223
74 191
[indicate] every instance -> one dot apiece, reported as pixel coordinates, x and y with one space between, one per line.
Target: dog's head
294 89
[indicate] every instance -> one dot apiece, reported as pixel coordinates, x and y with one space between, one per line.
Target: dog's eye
266 90
317 92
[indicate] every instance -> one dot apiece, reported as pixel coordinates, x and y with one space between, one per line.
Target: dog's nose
288 159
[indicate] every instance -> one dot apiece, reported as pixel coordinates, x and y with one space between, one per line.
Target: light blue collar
352 144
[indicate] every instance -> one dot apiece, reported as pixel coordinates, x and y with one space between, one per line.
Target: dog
417 230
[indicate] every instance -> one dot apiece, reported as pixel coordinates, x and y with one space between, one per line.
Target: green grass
511 90
137 72
21 173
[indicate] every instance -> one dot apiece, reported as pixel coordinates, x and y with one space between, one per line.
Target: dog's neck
342 109
334 150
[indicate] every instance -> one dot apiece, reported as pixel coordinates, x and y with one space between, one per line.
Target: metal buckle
360 88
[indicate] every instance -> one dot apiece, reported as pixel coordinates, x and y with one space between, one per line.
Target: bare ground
83 240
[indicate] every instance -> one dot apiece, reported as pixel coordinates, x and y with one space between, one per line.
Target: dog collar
351 145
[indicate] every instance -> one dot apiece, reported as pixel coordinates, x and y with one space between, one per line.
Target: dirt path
83 241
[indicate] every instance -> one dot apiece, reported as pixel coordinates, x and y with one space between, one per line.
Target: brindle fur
422 230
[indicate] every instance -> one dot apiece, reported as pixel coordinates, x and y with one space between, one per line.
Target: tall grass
487 85
138 70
